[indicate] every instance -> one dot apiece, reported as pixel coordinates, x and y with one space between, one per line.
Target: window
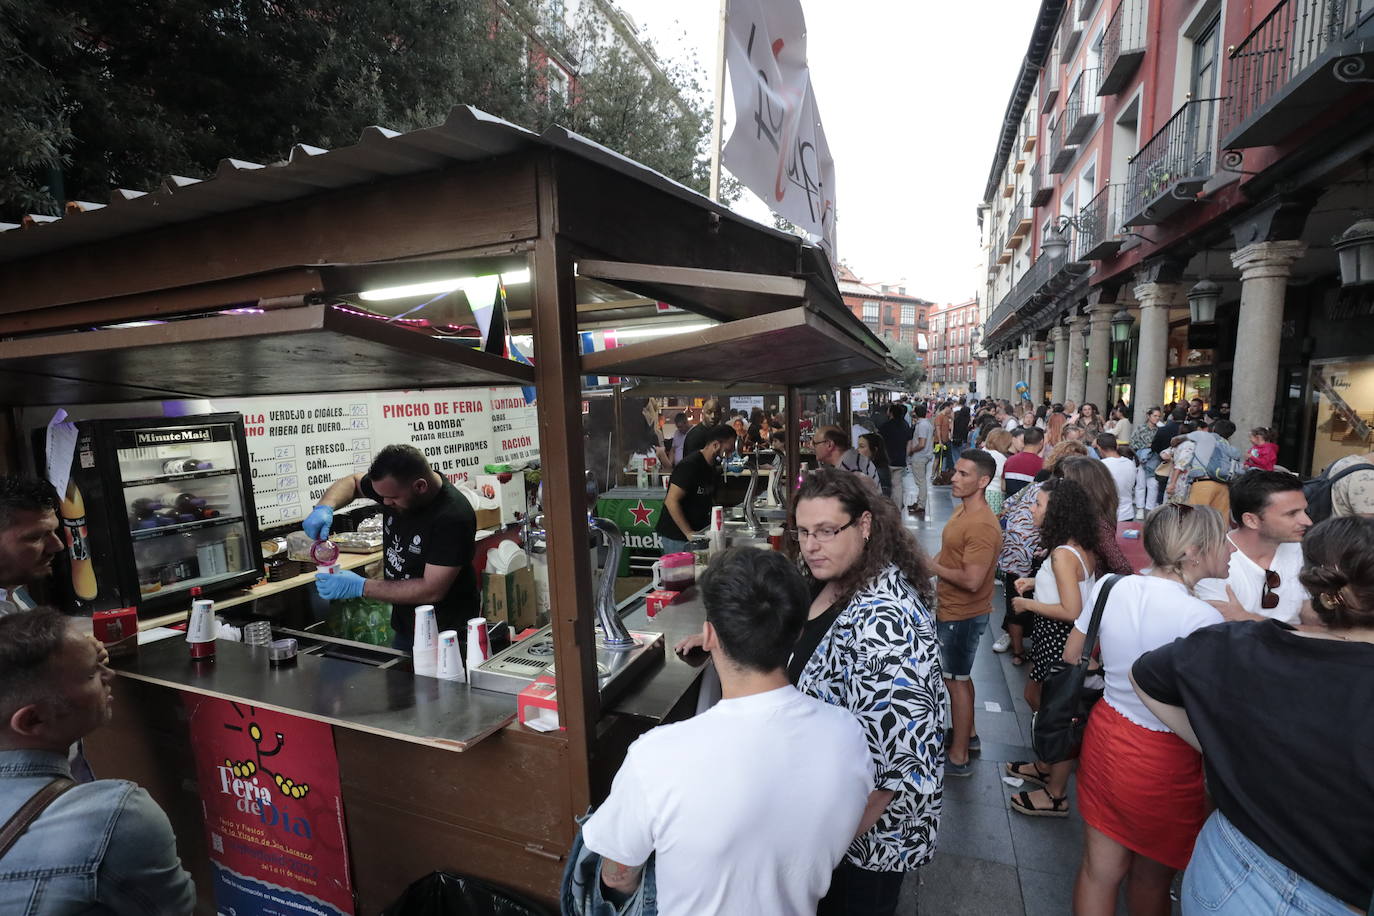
870 311
908 314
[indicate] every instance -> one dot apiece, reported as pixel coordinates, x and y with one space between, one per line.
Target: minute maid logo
240 779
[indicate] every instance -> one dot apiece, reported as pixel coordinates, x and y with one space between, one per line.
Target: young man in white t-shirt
1271 512
1123 473
751 805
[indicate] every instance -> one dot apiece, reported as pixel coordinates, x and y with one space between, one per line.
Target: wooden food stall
255 276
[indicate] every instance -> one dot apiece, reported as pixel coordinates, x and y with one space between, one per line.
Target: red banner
269 788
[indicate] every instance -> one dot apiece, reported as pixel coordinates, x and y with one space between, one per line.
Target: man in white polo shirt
751 805
1271 512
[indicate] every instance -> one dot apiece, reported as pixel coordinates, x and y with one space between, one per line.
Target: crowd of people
1235 662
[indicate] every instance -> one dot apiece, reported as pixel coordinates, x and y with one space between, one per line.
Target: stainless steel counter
394 704
660 692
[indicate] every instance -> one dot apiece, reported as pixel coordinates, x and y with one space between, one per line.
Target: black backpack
1318 490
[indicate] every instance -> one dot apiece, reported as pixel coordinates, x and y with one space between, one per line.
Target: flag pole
718 113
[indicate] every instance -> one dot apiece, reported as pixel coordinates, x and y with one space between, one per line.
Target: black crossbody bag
1065 702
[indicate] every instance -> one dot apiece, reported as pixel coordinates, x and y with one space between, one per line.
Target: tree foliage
122 93
913 368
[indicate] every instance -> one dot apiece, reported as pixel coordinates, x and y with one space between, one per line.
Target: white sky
911 93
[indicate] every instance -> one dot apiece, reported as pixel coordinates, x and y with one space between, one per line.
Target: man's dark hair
24 494
1180 412
837 437
29 641
1224 428
920 411
679 417
1019 433
986 464
896 411
1106 442
1034 435
1251 491
757 601
403 463
778 436
1057 408
721 433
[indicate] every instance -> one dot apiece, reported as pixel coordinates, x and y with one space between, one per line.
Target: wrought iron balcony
1041 187
1020 222
1304 56
1083 107
1049 83
1123 45
1070 31
1099 225
1172 167
1085 9
1061 152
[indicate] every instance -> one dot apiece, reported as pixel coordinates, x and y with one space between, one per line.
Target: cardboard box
502 492
488 518
509 598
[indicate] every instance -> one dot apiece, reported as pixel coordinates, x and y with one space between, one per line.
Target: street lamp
1355 248
1202 301
1122 321
1055 246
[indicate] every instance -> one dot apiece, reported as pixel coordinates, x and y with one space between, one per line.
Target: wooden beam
727 280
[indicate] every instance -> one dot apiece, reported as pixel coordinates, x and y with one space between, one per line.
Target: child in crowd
1264 452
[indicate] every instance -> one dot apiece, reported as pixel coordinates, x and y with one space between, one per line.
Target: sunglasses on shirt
1269 598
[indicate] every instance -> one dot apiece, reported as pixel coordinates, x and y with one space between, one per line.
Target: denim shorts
1229 874
959 645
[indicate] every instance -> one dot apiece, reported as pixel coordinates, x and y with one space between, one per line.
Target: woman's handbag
1065 699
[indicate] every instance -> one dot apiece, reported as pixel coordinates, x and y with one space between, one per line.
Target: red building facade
952 367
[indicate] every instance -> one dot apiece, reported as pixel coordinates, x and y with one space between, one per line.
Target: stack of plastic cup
425 655
479 649
450 659
257 633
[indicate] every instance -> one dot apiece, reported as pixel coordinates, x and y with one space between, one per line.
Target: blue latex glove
339 585
317 523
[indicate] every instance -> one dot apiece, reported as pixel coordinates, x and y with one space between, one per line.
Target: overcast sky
911 93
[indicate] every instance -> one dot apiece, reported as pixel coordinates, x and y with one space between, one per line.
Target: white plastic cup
425 654
450 659
479 648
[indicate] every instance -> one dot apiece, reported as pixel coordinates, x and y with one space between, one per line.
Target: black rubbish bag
442 894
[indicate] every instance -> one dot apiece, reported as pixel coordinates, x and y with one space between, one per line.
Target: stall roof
467 135
322 348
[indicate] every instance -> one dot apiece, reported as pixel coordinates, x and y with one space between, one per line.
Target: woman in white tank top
1068 521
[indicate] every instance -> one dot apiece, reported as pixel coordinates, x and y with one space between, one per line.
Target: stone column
1059 387
994 375
1078 354
1264 269
1152 353
1037 372
1099 355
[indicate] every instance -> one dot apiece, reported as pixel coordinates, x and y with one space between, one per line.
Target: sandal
1021 804
1018 658
1036 776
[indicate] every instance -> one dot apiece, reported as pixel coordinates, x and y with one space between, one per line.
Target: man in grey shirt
104 846
920 450
28 538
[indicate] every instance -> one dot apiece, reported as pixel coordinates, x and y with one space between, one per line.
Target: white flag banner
777 148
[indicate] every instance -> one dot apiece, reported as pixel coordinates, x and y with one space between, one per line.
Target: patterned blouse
881 661
1021 539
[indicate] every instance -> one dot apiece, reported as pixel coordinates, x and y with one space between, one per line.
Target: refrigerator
155 507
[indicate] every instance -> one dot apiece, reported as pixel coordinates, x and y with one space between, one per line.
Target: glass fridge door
183 492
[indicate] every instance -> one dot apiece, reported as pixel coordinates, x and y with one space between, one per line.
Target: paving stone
953 885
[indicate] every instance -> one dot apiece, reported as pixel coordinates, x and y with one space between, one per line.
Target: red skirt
1140 787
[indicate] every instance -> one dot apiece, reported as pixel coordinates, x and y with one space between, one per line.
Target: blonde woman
998 445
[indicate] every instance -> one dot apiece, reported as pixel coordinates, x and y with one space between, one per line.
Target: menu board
299 444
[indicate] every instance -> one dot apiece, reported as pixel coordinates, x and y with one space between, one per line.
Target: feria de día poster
777 146
274 818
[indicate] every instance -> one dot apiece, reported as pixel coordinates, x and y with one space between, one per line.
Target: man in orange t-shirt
966 566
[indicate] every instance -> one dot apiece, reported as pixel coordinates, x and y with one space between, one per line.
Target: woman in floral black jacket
869 645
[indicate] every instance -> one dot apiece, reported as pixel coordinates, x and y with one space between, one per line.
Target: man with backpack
1214 463
1351 482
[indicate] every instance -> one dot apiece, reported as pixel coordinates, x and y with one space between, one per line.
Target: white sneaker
1003 643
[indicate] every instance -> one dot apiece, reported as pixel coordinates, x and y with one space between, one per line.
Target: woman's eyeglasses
821 535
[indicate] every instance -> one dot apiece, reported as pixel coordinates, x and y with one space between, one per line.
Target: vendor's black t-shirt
813 631
697 478
695 440
1287 741
896 434
443 534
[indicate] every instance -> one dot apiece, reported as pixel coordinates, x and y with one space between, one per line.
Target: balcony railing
1099 225
1049 83
1041 187
1020 222
1173 166
1070 31
1061 151
1123 45
1083 106
1085 9
1278 56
